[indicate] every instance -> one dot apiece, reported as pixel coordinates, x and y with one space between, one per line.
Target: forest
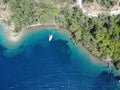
105 3
101 35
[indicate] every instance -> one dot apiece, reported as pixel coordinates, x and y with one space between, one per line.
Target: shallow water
36 64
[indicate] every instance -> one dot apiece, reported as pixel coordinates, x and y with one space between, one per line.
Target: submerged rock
2 48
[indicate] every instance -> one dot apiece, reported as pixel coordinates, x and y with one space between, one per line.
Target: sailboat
51 36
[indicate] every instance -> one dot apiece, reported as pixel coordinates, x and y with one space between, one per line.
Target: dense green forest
108 3
105 3
101 35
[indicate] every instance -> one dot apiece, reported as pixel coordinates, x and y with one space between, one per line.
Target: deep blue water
36 64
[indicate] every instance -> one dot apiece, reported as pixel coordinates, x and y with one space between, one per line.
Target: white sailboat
51 36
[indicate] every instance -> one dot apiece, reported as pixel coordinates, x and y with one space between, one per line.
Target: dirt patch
95 8
116 7
5 15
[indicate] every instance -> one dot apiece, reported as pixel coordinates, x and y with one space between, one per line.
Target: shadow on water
42 62
106 81
2 49
63 47
56 49
59 47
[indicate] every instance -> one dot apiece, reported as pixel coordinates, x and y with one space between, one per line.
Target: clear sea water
36 64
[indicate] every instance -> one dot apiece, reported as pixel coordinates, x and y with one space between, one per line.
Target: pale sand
9 34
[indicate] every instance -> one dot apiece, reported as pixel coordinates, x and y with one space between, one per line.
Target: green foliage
105 3
5 1
100 35
88 1
29 12
108 3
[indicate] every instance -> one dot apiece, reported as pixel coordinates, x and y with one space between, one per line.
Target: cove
56 65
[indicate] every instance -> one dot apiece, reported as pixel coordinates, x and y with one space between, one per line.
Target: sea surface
34 63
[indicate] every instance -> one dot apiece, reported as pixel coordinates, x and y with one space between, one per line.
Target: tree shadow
63 47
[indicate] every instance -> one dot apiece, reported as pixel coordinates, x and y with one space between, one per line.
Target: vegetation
27 12
108 3
88 1
100 35
105 3
5 1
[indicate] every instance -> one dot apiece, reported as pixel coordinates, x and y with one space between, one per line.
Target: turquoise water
36 64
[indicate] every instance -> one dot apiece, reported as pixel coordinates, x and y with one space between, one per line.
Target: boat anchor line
51 36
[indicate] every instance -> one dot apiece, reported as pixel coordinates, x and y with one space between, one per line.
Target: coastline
13 38
98 61
94 59
38 27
